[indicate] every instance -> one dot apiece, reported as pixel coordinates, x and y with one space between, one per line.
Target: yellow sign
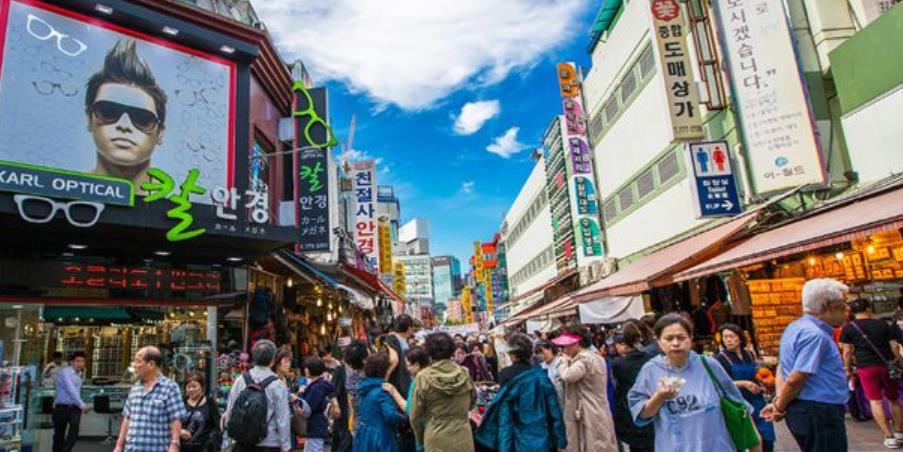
398 279
465 304
385 247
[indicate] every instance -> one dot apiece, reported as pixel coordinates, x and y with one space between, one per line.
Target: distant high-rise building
414 237
446 280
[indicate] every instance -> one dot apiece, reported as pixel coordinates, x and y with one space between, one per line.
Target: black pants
240 448
817 427
65 417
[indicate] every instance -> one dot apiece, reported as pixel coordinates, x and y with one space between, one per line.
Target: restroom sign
714 189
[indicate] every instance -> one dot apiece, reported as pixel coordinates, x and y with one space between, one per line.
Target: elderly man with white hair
814 389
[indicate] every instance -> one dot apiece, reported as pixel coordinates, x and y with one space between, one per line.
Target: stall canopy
554 309
656 269
854 219
303 268
543 326
611 310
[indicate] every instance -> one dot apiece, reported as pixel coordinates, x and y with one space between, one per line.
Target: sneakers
891 443
899 437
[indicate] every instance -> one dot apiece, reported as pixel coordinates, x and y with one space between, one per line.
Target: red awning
541 288
372 281
657 268
856 220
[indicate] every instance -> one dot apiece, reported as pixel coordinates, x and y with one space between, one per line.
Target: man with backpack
257 414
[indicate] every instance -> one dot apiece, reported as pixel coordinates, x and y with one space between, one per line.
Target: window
610 209
628 86
668 167
647 62
625 196
611 109
596 126
645 184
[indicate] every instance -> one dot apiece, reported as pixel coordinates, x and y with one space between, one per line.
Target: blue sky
406 71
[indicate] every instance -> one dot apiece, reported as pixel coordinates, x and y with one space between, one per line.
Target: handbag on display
737 419
893 367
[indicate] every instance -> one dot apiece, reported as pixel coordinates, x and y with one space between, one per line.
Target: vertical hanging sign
768 90
363 179
677 73
312 138
385 246
579 168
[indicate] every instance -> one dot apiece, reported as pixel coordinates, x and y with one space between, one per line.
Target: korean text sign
677 73
363 180
313 199
63 103
776 119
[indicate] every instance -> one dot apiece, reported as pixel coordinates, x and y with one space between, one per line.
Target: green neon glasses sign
313 117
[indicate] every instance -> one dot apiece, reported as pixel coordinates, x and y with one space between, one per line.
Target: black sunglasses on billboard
106 112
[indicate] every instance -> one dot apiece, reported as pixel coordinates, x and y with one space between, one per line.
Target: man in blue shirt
68 405
814 389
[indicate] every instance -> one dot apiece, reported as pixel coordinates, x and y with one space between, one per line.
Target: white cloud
413 53
355 155
467 187
474 114
507 145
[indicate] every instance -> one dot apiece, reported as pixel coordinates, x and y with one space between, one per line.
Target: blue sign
715 190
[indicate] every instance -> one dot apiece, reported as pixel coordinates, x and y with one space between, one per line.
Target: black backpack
248 419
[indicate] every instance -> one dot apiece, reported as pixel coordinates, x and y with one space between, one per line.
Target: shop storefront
131 208
855 239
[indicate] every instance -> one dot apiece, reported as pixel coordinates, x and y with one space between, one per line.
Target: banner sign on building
715 189
313 199
385 246
677 72
579 168
399 282
363 179
466 305
781 141
22 178
175 109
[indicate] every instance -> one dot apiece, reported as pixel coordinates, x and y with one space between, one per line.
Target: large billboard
363 178
778 128
83 95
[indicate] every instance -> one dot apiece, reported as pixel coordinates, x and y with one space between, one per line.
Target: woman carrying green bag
689 410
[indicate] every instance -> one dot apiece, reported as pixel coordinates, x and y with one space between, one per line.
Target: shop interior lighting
323 329
233 259
838 256
289 283
68 254
870 249
162 253
170 31
812 261
227 49
76 246
101 8
319 302
17 306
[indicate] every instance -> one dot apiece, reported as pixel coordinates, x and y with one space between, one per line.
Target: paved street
862 437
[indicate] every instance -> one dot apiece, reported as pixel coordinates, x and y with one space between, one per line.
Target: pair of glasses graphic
43 31
305 108
46 88
38 209
106 112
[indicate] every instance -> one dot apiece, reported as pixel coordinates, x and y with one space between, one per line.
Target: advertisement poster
363 179
82 95
677 72
781 144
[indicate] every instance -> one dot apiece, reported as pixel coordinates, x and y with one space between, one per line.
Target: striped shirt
150 414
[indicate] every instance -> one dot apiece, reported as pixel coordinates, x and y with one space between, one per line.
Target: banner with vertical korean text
668 20
579 168
781 141
363 180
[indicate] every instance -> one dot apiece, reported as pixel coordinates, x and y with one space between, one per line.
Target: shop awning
657 268
554 309
603 21
538 290
302 267
372 281
611 310
858 219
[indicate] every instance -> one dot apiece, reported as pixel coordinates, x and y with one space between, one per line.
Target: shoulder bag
736 417
896 373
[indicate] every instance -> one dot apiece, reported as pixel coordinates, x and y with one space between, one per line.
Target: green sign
182 200
304 108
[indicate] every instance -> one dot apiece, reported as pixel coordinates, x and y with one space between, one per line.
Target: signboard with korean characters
579 168
677 72
364 189
714 187
313 199
781 142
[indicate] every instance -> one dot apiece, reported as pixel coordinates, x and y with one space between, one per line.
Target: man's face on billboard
124 123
